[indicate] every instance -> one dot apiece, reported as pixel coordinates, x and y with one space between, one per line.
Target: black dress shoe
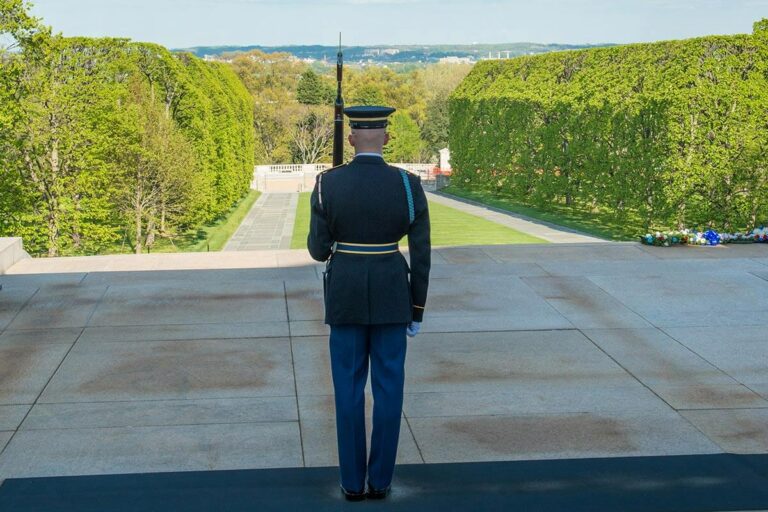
353 496
377 494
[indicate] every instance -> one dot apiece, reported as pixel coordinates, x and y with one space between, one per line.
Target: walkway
544 230
269 224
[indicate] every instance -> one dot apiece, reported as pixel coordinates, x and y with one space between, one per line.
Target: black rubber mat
690 483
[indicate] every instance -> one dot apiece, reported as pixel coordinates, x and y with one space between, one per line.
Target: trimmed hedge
674 132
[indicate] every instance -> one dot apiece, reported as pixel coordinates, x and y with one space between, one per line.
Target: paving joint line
737 381
138 400
155 425
55 371
293 371
413 436
16 315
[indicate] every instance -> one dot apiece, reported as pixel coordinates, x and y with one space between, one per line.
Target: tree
440 80
22 37
271 80
312 90
405 144
312 138
87 123
158 165
74 88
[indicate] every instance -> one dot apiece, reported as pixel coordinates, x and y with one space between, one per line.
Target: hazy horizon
192 23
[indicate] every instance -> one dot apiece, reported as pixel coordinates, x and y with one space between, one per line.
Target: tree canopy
109 143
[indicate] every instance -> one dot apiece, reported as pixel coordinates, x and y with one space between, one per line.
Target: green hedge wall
674 133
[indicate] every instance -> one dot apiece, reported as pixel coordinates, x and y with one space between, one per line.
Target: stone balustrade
301 177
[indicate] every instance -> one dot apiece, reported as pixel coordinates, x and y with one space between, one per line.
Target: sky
187 23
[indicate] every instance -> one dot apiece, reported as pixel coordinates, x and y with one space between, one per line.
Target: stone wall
11 251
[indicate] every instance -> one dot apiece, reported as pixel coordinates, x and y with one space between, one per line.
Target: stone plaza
182 362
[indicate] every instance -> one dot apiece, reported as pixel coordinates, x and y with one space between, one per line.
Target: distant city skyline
188 23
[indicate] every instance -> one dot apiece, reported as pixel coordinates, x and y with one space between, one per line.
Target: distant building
374 52
455 60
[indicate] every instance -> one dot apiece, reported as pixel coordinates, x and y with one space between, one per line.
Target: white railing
301 177
290 168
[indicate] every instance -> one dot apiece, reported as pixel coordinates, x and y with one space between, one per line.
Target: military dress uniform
359 212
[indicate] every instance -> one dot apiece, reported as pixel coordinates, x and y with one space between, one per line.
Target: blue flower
712 237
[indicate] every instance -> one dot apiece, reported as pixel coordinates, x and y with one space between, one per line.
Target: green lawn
600 223
449 227
212 236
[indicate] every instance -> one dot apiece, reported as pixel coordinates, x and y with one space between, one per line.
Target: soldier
359 212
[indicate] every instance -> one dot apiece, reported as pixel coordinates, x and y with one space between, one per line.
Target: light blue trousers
351 347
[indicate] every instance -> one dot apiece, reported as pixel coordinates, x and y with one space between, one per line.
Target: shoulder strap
409 195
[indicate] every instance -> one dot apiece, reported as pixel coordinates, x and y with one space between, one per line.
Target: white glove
413 329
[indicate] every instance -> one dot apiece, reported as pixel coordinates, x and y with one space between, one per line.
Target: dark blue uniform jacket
365 202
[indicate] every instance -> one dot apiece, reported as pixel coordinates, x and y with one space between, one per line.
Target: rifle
338 121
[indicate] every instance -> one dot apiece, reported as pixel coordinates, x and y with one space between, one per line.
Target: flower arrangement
709 237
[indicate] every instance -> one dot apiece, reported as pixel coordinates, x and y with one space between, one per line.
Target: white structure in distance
301 177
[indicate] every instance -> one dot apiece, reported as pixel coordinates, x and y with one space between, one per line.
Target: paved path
269 224
541 351
544 230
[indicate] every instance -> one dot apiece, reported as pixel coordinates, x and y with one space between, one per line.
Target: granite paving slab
463 255
205 261
60 306
741 352
487 269
492 323
312 364
474 438
156 370
11 416
297 258
309 328
497 372
488 362
650 267
735 431
66 335
180 332
204 278
217 303
567 252
583 303
688 251
698 396
42 280
13 299
682 301
678 375
508 299
160 412
535 398
4 438
66 306
305 300
91 451
25 370
318 429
